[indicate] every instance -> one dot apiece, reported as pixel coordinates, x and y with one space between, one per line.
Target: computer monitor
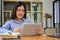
56 13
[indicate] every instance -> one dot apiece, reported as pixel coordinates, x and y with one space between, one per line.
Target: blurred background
40 11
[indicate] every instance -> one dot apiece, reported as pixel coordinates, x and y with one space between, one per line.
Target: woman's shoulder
29 20
9 21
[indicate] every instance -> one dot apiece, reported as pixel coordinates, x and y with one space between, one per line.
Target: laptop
30 29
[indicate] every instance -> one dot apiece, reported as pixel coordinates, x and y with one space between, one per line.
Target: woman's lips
20 15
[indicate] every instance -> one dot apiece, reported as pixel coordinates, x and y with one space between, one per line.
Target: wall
48 8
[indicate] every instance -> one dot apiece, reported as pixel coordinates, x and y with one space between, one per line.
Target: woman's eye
18 10
21 10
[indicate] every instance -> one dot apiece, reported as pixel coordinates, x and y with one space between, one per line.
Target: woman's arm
29 21
6 27
17 30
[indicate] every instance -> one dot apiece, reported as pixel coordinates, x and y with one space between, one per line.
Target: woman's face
20 12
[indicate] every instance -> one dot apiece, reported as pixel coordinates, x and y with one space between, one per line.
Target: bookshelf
34 10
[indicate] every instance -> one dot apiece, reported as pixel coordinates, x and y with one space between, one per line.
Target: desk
8 37
42 37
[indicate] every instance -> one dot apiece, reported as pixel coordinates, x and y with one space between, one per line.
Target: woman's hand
39 31
17 30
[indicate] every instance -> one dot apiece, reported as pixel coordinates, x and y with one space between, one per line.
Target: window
34 10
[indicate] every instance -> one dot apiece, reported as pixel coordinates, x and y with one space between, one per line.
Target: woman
18 19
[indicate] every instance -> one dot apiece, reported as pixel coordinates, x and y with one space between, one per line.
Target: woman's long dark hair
18 4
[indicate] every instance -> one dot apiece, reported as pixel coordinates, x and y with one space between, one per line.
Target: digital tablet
30 29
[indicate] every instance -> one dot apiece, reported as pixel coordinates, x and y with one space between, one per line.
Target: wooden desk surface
8 36
42 37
